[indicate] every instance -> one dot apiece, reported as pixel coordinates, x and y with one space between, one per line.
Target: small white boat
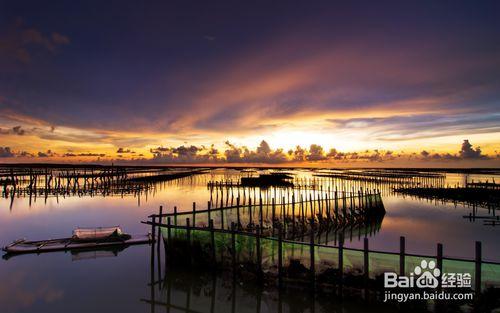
82 239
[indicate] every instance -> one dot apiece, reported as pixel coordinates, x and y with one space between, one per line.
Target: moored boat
82 239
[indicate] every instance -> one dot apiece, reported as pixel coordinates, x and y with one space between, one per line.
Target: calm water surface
57 282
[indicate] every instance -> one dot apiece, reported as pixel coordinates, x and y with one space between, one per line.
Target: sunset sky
350 82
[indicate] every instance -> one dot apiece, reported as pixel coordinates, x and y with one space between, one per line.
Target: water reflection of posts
188 238
439 259
341 259
259 258
212 241
152 270
233 249
280 257
189 280
366 264
169 238
159 230
402 255
311 254
478 267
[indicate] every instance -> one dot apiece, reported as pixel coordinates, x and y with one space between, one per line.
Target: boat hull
67 244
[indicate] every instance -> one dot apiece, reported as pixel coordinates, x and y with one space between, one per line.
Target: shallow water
58 281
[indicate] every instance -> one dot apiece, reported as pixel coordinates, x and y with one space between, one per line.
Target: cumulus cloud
468 152
232 154
299 154
25 154
263 154
46 154
122 150
184 154
316 153
6 152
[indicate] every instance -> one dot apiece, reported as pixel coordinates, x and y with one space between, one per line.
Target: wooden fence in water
98 180
291 246
282 260
264 215
224 192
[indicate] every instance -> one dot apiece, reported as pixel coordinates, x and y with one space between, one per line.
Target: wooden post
194 214
261 218
327 208
402 255
221 196
336 205
302 210
362 198
169 231
209 217
478 268
238 212
320 203
221 218
273 212
351 196
175 215
313 209
344 205
250 219
439 257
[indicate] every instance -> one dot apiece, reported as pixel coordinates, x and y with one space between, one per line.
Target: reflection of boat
108 252
82 239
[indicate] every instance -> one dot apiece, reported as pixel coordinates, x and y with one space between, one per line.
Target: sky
333 82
